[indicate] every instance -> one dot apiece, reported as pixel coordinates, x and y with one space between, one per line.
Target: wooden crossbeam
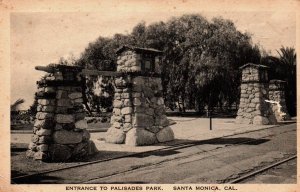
102 73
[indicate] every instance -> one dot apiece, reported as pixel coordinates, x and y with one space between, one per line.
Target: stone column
59 132
253 108
277 99
138 115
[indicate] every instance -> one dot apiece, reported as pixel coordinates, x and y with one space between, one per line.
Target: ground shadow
171 148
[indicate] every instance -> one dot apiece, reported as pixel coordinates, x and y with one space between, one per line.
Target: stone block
160 101
48 108
35 129
126 127
148 92
137 102
139 136
46 101
78 101
142 120
117 103
114 135
118 91
159 111
150 112
82 124
120 82
75 95
138 81
43 132
117 111
32 146
43 147
39 108
64 103
136 94
67 137
30 154
255 100
137 88
61 109
64 118
139 109
46 123
58 126
60 153
116 124
165 134
79 116
126 110
44 139
249 110
260 120
153 129
61 94
34 138
125 95
44 115
80 150
40 156
127 103
163 121
127 119
50 90
135 68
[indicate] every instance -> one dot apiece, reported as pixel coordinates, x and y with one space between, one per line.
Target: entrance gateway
138 118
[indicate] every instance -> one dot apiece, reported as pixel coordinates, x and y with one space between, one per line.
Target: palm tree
284 67
16 104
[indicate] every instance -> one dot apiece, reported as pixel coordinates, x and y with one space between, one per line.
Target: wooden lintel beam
102 73
44 68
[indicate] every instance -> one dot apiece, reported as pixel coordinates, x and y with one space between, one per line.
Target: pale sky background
42 38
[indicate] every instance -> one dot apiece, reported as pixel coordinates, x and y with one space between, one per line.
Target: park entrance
138 108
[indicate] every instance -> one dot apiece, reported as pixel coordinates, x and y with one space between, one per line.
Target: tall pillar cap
254 65
138 50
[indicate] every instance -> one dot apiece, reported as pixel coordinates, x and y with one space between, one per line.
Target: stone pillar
277 99
253 108
59 132
138 115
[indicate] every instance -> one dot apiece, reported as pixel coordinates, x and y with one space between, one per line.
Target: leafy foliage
16 104
200 68
283 67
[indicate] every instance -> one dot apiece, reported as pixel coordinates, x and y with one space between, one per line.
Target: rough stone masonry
277 99
138 108
253 108
59 132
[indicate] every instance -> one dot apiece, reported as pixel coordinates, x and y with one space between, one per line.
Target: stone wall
253 108
277 100
139 114
59 132
129 61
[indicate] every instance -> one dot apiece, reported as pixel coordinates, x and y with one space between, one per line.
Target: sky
43 38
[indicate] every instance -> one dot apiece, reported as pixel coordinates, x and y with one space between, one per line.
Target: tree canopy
200 67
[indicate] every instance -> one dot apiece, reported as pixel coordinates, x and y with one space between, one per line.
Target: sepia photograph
138 95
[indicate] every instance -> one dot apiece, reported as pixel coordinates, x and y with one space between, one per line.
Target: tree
15 106
200 64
